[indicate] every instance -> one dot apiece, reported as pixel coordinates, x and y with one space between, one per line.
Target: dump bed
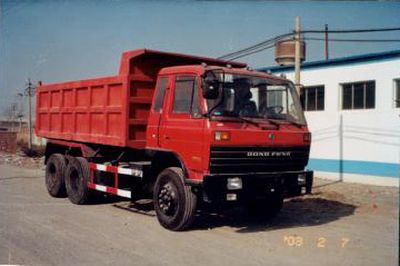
109 110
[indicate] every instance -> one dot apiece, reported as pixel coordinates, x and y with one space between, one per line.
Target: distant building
14 125
22 132
352 106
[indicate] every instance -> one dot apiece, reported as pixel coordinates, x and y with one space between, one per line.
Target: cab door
153 127
182 125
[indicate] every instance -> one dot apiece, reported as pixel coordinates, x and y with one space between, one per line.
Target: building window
313 98
358 95
397 93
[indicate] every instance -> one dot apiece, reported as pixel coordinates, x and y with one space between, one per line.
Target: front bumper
256 186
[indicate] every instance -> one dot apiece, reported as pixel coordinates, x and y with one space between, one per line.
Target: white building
352 106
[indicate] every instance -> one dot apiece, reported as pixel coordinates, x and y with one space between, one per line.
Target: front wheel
174 202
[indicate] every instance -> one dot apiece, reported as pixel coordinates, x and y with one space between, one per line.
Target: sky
56 41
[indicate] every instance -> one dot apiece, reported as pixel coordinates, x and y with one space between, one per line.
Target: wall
356 145
8 142
23 136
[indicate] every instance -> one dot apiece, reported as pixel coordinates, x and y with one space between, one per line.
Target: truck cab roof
201 68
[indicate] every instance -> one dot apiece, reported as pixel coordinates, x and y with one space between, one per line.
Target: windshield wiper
273 122
284 120
288 121
248 120
256 123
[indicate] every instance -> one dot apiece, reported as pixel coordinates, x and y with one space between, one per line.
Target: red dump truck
185 131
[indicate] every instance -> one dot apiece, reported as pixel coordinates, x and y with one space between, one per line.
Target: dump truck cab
231 127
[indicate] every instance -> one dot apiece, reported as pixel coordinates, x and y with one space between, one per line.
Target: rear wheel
76 180
55 168
174 202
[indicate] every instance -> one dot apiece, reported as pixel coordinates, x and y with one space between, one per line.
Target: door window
186 99
160 94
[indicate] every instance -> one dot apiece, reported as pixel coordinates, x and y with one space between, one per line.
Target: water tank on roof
285 52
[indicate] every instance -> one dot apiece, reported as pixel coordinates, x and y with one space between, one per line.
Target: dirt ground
339 224
21 160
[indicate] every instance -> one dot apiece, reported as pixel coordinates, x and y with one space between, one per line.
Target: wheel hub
167 199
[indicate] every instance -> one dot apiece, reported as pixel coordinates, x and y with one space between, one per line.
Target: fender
154 152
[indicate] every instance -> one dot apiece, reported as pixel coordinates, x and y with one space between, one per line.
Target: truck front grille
257 159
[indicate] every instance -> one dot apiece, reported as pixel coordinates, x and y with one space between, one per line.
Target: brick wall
8 142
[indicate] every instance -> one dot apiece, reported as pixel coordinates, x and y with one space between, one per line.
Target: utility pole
20 112
326 43
297 55
29 91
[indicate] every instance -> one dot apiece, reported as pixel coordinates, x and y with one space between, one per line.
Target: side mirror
210 90
211 86
229 103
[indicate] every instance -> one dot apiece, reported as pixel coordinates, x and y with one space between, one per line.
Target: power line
352 40
255 46
253 52
261 46
352 31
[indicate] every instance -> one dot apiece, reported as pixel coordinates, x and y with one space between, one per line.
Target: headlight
234 183
222 135
301 179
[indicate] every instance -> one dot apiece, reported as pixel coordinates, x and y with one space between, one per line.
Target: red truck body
158 128
109 110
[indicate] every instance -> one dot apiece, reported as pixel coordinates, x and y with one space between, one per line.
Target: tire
174 202
267 208
54 177
76 180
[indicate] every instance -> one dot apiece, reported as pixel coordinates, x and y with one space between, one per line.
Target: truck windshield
256 97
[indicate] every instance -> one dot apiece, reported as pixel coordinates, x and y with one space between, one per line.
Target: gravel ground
339 224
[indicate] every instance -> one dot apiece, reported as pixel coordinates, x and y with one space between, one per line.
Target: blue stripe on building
355 167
